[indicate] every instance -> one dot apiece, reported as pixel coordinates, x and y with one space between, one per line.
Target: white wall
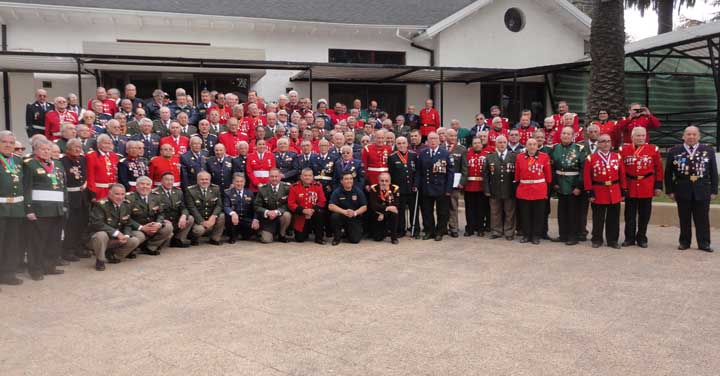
482 40
462 102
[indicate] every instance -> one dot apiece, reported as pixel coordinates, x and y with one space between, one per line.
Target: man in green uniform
172 208
456 151
271 207
498 178
204 203
111 228
45 207
567 159
12 210
153 234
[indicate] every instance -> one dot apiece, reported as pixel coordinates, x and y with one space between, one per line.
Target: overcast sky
642 27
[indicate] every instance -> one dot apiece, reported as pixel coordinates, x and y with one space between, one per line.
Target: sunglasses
19 149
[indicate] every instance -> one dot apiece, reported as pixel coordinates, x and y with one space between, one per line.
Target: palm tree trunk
665 11
607 50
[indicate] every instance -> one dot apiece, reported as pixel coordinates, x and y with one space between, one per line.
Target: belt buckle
693 178
608 183
641 177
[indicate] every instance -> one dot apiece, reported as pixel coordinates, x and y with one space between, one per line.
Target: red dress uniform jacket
260 106
604 180
375 160
429 122
626 126
54 119
493 135
258 169
160 165
559 124
550 137
505 123
225 113
643 169
181 145
249 124
302 197
109 106
611 129
101 172
533 175
526 134
475 164
230 141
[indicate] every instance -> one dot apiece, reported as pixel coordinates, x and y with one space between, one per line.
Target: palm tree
607 50
664 9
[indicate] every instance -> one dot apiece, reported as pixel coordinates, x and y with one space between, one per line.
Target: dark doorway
530 95
193 83
391 98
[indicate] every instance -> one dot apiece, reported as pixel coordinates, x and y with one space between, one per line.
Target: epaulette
581 146
366 148
285 183
122 160
56 141
102 202
589 157
128 194
395 188
155 191
27 160
90 152
192 186
620 148
657 149
373 187
214 185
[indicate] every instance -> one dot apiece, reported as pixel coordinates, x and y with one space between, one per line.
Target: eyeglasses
19 149
604 141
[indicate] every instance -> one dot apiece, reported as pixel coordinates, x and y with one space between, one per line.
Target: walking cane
415 216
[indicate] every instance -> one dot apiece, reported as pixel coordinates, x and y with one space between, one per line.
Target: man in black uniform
434 180
401 165
305 158
383 200
220 168
79 202
192 162
133 166
35 113
691 180
285 161
347 205
150 140
239 209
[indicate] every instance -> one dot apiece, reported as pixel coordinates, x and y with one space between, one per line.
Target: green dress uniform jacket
104 217
567 165
499 175
266 199
140 212
44 191
11 188
172 207
202 207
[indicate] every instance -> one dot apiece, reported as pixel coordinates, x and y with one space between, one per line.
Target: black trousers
314 224
569 216
637 217
431 204
584 209
698 212
243 229
532 212
75 230
607 217
477 211
406 204
10 249
46 244
546 217
353 227
388 226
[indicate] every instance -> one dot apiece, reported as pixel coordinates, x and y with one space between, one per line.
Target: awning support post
442 97
79 80
310 82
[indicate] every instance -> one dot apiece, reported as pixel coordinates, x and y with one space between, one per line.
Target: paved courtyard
467 306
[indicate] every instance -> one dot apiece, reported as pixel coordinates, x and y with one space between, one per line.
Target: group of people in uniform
155 174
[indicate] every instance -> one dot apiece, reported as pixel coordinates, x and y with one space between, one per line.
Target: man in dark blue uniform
347 206
434 180
220 167
402 164
133 166
150 140
192 162
239 208
35 113
305 158
348 164
285 161
691 180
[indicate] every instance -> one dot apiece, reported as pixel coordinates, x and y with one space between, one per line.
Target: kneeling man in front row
152 233
347 205
271 206
383 200
239 208
205 206
111 228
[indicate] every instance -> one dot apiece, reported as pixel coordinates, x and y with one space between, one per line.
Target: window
514 20
366 57
390 98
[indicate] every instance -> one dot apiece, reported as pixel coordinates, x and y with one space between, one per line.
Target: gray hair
144 179
72 142
637 130
4 134
144 121
102 138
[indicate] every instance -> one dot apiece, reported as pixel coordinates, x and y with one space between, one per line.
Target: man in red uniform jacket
167 161
496 130
249 123
429 120
526 130
639 116
569 120
563 109
307 201
644 172
259 164
179 143
495 111
55 118
608 126
108 105
477 205
375 158
101 168
604 180
231 138
533 174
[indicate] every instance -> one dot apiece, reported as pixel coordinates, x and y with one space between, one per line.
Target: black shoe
493 236
11 280
37 277
545 237
614 245
283 239
428 236
417 236
481 234
642 244
99 265
683 247
194 242
61 262
320 241
54 271
556 240
596 245
454 234
176 243
131 255
336 241
706 248
71 258
232 241
510 238
214 242
524 240
582 238
438 237
468 233
394 241
152 253
571 242
536 241
628 243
